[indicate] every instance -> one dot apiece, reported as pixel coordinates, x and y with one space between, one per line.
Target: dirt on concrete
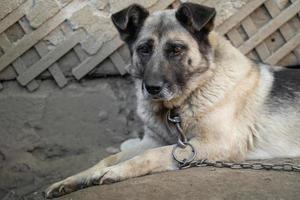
50 134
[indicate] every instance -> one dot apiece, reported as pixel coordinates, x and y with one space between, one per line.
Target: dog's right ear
129 21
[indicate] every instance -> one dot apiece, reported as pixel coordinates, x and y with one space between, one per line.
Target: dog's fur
231 108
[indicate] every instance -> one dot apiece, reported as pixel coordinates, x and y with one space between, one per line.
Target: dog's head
168 48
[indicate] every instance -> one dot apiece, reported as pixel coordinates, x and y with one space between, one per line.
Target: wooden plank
118 61
91 62
1 86
250 28
42 50
18 64
293 1
82 55
284 50
14 16
20 68
238 17
54 69
269 28
286 30
161 5
50 58
235 37
67 30
29 40
4 42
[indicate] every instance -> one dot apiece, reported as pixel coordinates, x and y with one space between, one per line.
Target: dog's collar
173 119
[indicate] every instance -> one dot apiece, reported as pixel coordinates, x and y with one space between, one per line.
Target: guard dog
230 107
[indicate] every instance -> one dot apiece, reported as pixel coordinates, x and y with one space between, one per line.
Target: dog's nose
154 89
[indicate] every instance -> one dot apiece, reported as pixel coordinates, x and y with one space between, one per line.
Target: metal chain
287 167
174 118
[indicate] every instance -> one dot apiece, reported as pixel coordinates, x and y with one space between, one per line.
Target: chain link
287 167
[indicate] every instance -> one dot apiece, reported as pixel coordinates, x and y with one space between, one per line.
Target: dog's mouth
167 93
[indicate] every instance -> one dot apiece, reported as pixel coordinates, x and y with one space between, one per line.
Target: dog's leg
154 160
160 159
89 176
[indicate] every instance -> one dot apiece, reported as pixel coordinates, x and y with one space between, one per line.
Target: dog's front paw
61 188
111 176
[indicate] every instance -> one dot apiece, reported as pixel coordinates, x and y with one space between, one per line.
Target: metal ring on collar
181 144
185 160
174 119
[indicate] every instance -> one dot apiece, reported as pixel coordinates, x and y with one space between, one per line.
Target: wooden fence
261 30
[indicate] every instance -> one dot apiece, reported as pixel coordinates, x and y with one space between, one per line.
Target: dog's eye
144 50
175 50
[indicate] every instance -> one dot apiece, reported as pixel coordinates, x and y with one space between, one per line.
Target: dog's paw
61 188
111 176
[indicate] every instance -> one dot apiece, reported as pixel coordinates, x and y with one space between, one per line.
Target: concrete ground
51 134
199 183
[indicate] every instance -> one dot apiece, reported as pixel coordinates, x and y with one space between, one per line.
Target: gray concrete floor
51 134
199 183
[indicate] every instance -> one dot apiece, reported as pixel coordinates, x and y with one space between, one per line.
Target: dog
231 108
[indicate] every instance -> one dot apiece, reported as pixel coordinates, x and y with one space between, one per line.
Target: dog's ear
129 21
195 17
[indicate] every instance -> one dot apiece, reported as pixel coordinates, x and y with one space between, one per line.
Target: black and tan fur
231 108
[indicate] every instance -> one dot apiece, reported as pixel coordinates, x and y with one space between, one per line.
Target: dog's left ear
195 17
129 21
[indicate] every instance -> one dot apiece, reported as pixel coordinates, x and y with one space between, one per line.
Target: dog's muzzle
160 91
154 89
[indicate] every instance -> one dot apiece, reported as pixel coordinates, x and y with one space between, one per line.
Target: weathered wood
161 5
42 50
293 1
14 16
18 64
268 29
235 37
20 68
118 61
251 29
82 55
50 58
238 17
286 30
4 42
91 62
105 68
31 39
284 50
8 74
67 30
54 69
